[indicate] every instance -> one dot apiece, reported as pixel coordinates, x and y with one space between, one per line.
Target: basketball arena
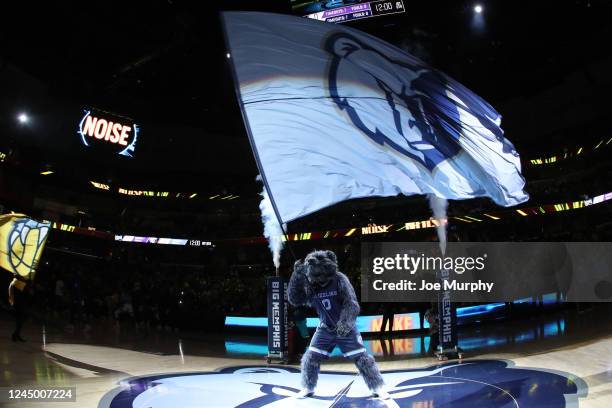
299 203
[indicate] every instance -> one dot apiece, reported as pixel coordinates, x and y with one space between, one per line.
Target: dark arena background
124 137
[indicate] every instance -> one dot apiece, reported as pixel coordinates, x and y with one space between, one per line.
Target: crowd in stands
143 290
154 287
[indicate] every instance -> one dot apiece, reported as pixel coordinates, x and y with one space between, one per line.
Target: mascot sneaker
381 393
305 393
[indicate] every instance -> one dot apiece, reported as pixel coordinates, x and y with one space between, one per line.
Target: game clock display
359 11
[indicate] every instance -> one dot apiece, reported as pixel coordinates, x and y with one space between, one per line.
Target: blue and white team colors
476 383
336 114
329 305
325 338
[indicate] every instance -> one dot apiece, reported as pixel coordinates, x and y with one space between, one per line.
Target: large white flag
336 114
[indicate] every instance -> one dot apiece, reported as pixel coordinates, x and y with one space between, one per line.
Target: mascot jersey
329 305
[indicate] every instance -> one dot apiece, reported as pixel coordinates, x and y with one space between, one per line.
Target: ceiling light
23 118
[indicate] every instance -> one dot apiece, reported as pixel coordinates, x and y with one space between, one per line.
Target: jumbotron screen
341 11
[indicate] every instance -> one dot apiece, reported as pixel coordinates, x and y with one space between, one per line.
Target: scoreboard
358 11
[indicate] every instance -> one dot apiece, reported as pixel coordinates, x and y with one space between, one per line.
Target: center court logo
478 383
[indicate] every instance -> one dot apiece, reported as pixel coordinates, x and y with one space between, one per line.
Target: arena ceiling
163 63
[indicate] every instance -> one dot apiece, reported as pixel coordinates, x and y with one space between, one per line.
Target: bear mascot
318 283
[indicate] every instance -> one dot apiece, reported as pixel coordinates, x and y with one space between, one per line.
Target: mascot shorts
324 341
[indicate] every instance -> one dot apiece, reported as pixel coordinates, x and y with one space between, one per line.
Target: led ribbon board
108 133
342 11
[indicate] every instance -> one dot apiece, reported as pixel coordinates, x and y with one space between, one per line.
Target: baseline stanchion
278 328
448 347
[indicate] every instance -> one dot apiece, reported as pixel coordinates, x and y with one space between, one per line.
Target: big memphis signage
476 383
106 132
278 335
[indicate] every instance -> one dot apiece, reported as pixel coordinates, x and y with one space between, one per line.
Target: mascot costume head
321 267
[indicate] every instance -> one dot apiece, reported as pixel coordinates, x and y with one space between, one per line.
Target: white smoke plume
438 207
272 229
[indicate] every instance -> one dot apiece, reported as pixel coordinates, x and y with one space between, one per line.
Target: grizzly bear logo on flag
429 110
